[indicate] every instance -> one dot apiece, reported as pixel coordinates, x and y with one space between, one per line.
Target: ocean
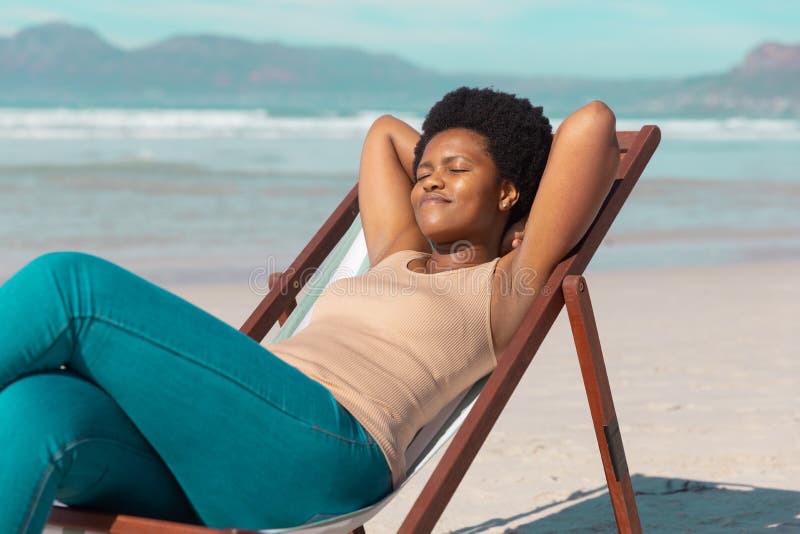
208 196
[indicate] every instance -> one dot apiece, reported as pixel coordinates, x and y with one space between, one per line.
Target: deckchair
338 249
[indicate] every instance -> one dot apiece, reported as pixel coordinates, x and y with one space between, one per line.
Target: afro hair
518 134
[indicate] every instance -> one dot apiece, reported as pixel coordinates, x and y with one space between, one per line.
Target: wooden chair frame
566 285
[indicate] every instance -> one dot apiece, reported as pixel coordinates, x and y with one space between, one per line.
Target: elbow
379 132
597 113
383 123
600 109
603 116
595 118
382 129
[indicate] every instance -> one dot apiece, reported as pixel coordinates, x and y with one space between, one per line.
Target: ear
509 194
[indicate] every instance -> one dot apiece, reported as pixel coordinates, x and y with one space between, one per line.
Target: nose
432 181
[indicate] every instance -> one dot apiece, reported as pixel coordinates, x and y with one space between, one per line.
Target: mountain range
59 64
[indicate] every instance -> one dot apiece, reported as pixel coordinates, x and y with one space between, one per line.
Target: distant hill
60 64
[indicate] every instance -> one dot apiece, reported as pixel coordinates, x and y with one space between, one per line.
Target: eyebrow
448 159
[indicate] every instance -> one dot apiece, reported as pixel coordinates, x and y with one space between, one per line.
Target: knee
26 414
27 400
68 268
63 260
46 410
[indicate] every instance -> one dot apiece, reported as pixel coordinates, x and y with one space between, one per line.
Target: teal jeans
118 395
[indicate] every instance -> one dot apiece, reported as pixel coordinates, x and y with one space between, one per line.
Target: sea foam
63 123
177 124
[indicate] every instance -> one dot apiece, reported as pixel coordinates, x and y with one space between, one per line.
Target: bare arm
579 174
384 189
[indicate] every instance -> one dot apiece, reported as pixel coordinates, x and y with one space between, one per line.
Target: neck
450 256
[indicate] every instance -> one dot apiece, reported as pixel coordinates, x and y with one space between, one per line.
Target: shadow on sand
665 505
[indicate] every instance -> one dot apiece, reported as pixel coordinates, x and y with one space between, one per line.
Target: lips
434 198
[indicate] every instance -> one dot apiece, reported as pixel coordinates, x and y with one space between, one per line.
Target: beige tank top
394 346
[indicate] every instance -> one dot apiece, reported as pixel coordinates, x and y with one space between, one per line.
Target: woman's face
457 192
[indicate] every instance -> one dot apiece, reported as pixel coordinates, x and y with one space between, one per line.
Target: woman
121 396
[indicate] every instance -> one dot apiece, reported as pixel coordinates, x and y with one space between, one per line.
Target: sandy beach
703 363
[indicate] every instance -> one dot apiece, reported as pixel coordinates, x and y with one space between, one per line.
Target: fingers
517 239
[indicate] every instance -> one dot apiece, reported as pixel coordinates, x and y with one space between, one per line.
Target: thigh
111 326
64 438
253 442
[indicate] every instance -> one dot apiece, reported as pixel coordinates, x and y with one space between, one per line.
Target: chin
452 226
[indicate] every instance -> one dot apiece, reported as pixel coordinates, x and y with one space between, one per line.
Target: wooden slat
78 519
72 518
625 139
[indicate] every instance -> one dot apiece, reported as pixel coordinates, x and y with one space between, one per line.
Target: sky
617 39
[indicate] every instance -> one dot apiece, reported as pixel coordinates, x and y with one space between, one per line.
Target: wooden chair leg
598 391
